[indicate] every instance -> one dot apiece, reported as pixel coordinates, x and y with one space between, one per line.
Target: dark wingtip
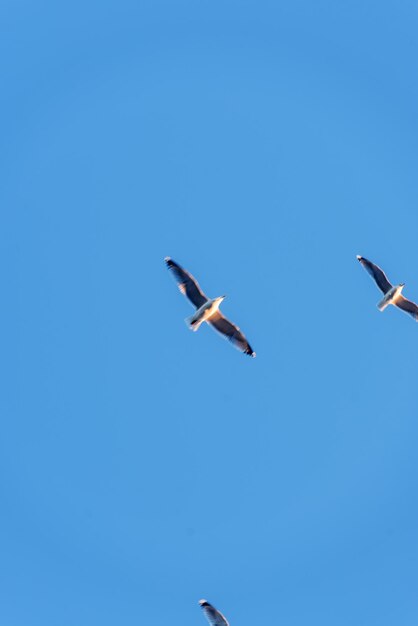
204 602
359 258
168 261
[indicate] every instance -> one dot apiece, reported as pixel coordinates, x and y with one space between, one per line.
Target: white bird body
207 309
392 293
391 297
204 313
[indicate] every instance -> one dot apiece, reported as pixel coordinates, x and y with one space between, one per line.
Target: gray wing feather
186 283
407 306
214 617
376 273
231 332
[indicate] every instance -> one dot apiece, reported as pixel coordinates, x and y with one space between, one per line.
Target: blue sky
262 145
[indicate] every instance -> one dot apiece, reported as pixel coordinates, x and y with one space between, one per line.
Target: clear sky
261 144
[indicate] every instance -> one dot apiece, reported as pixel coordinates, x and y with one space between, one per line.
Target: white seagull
214 617
207 309
392 293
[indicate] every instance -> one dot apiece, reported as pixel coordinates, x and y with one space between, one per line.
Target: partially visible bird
207 309
214 617
392 294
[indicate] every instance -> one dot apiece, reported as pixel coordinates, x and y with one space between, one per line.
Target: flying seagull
392 294
214 617
207 309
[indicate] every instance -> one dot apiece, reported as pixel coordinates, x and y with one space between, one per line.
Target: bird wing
407 306
186 283
376 273
214 617
231 332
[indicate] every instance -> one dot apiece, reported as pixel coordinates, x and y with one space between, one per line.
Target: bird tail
192 323
382 304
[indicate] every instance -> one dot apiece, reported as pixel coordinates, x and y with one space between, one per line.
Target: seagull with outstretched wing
207 309
214 617
392 293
